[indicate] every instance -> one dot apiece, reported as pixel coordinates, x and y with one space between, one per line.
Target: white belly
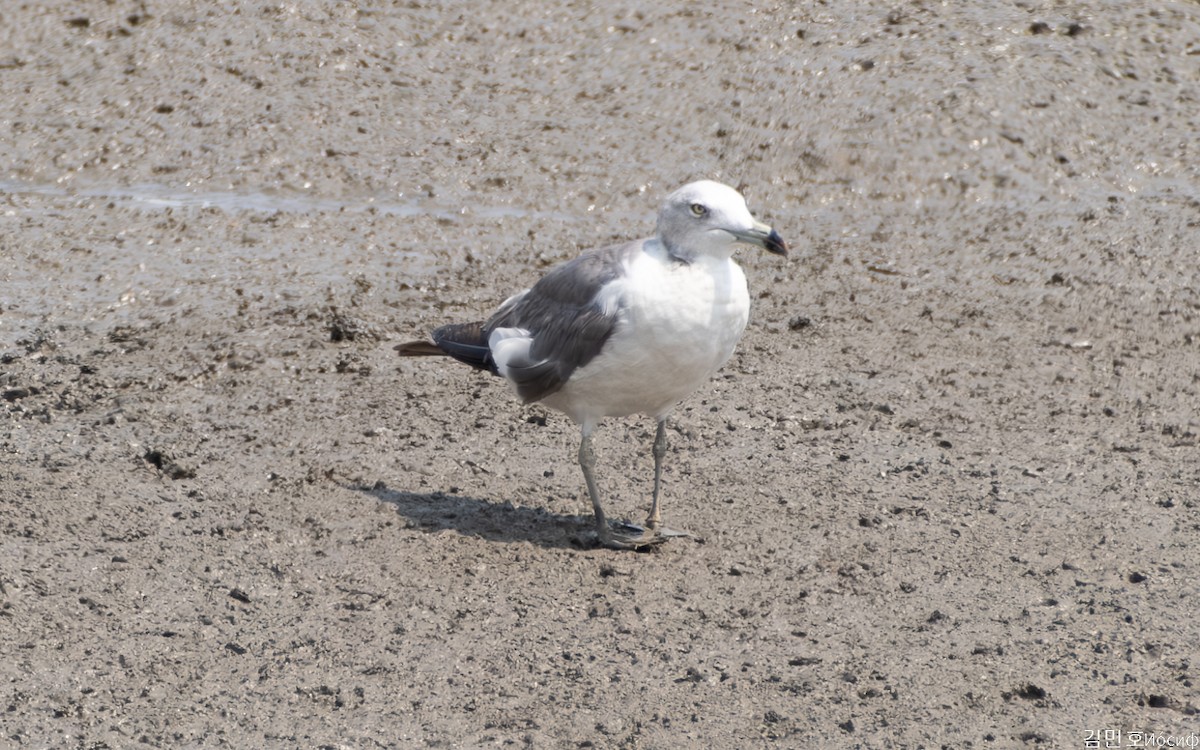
679 324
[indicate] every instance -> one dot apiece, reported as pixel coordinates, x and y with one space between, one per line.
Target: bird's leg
587 462
660 450
654 520
609 536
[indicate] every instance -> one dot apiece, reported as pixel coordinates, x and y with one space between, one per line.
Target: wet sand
947 489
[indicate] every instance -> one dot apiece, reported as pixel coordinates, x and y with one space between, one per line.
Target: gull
632 328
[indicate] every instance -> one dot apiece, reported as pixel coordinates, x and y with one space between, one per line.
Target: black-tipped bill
765 237
775 244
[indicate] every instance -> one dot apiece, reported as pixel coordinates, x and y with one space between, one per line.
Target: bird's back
541 337
677 325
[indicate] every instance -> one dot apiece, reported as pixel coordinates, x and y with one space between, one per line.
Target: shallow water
161 246
158 247
153 197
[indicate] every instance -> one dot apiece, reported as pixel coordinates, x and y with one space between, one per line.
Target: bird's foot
653 524
631 536
666 533
628 536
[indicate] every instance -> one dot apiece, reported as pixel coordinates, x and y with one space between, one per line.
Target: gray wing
567 325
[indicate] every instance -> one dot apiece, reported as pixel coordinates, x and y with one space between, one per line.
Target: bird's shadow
471 516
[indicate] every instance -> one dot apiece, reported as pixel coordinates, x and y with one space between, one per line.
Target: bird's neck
656 248
710 255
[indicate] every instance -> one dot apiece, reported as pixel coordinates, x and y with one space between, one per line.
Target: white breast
678 323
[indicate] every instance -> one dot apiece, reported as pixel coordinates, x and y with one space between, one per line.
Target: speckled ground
947 489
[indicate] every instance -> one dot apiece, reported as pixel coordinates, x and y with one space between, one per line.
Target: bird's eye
698 209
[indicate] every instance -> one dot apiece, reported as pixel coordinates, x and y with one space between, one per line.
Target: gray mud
947 489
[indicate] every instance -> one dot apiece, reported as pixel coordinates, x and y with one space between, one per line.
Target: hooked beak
765 237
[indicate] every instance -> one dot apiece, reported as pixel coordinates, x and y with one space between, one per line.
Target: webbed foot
631 536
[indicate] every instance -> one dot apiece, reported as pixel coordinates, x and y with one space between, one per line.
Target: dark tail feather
465 342
419 349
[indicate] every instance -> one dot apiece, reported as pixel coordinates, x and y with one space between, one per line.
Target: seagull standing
627 329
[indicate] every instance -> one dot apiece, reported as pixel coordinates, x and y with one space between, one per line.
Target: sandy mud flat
947 489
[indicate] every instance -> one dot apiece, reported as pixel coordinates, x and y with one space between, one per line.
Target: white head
708 218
